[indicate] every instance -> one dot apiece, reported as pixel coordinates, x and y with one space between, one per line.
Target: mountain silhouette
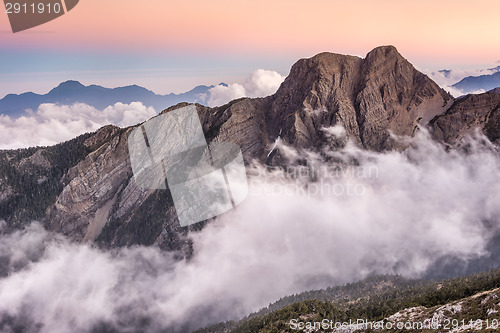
472 84
70 92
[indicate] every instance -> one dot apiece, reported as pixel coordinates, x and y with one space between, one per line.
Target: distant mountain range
481 80
70 92
471 84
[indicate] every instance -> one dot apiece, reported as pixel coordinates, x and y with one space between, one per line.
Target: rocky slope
466 115
84 188
477 313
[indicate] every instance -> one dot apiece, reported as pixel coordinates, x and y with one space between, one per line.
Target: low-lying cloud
293 233
259 83
53 123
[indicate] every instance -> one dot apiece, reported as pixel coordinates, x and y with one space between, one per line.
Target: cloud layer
390 213
259 83
53 123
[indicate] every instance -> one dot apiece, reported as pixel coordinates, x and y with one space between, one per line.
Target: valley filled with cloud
410 214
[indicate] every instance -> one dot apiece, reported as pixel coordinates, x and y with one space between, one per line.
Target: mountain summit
369 97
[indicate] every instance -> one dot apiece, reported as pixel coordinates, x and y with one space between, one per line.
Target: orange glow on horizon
443 31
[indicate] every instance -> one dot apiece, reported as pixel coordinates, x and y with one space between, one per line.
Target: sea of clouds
53 123
291 234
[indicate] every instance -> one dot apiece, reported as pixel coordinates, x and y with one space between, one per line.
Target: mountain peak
384 50
385 58
66 87
70 84
369 97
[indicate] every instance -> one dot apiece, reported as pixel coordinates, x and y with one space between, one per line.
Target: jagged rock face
91 184
468 114
318 92
101 202
369 97
84 188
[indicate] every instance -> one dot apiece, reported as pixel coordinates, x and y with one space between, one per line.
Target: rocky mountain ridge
70 92
84 188
467 115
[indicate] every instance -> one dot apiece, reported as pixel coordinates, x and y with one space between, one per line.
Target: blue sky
23 70
172 46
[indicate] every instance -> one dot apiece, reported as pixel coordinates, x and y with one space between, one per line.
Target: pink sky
430 33
439 30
